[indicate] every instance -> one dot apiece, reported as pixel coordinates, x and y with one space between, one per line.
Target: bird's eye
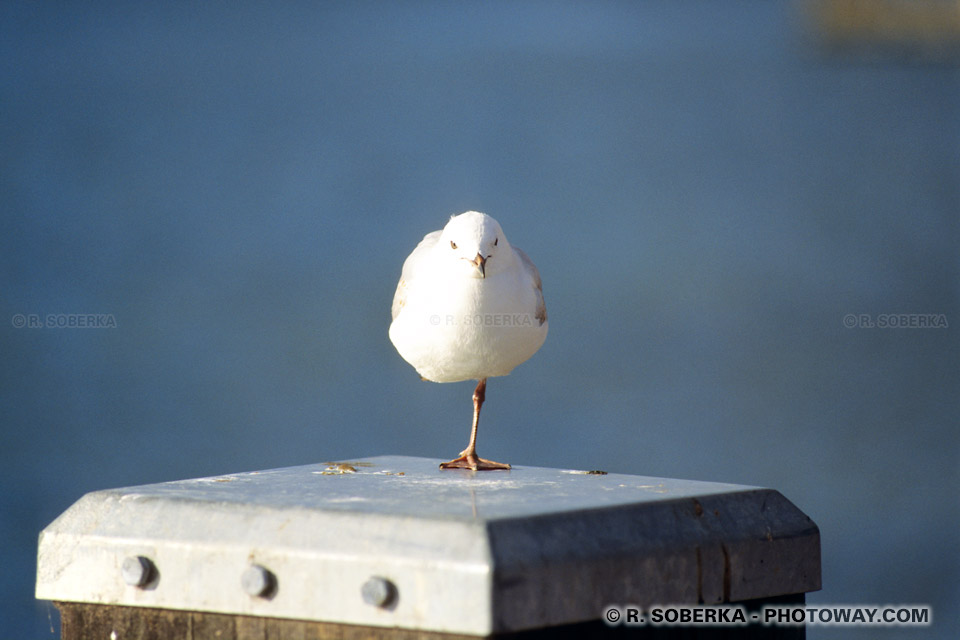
495 241
453 245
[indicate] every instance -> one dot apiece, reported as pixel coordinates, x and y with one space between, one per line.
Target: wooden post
393 547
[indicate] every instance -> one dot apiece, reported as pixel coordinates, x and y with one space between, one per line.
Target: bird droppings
654 488
593 472
337 469
344 468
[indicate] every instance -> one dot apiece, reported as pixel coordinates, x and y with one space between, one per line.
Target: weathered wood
85 621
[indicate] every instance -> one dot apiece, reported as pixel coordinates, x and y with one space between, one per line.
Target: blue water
706 191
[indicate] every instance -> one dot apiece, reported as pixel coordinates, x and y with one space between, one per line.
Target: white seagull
468 306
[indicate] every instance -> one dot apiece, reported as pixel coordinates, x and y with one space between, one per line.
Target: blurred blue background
707 188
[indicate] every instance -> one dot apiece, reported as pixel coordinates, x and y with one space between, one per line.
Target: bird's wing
409 271
541 313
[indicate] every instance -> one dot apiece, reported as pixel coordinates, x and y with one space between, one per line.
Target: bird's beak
480 263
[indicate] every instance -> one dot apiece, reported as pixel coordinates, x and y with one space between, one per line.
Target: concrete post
393 547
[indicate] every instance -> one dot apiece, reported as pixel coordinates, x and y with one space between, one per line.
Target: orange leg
468 457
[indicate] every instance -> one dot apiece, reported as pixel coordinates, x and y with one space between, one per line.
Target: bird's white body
468 305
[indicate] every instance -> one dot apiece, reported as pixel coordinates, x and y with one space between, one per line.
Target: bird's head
477 244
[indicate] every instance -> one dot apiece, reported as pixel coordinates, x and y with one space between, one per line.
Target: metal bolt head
137 571
378 591
258 581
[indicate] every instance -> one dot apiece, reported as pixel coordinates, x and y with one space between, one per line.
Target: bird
468 306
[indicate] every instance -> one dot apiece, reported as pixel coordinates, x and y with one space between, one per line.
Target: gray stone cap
395 541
